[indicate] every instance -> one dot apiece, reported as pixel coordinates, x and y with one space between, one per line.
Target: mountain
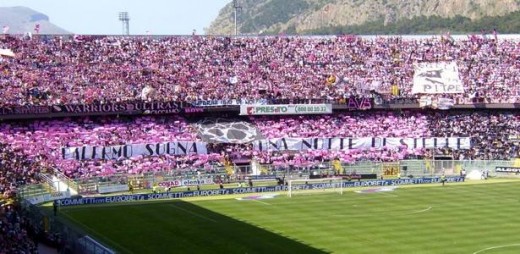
21 20
301 16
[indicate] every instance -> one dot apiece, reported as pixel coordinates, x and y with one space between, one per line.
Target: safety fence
57 232
261 172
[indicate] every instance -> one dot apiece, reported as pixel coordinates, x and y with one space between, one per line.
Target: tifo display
101 120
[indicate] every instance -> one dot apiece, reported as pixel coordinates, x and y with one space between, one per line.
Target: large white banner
299 144
102 189
133 150
436 78
216 103
278 144
285 109
42 198
6 52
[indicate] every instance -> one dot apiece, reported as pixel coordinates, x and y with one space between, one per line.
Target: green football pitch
457 218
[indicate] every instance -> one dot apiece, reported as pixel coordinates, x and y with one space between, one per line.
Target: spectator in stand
42 140
15 170
101 69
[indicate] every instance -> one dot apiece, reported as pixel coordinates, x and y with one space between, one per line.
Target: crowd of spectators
494 136
50 70
16 169
490 134
54 70
353 124
43 140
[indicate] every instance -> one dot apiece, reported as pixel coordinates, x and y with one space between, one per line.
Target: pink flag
37 28
5 29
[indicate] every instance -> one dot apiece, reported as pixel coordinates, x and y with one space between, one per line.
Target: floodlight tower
125 20
237 7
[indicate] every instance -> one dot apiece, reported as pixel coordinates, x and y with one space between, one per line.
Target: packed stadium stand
97 69
213 76
43 140
15 170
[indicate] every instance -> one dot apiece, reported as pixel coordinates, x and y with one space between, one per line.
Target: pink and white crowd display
45 140
51 71
101 69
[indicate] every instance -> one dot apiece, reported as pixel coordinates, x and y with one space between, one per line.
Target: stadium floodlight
313 186
237 7
125 20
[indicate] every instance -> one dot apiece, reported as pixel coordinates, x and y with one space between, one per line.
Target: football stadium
259 144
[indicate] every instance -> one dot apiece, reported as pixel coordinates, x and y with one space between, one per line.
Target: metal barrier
234 173
414 168
90 245
67 238
66 180
34 190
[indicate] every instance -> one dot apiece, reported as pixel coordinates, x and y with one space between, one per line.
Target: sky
170 17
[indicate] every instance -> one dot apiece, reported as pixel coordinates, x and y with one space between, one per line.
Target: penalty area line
421 211
193 213
496 247
262 202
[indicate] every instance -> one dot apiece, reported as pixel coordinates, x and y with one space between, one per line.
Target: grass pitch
457 218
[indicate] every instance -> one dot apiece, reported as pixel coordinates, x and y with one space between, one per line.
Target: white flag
6 52
5 29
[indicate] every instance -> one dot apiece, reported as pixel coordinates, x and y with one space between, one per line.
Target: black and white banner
436 78
436 103
298 144
279 144
220 130
217 103
133 150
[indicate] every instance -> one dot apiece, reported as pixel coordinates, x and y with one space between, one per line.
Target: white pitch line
386 212
194 214
262 202
421 211
496 247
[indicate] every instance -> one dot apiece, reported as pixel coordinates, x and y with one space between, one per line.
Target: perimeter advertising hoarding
217 192
508 169
285 109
